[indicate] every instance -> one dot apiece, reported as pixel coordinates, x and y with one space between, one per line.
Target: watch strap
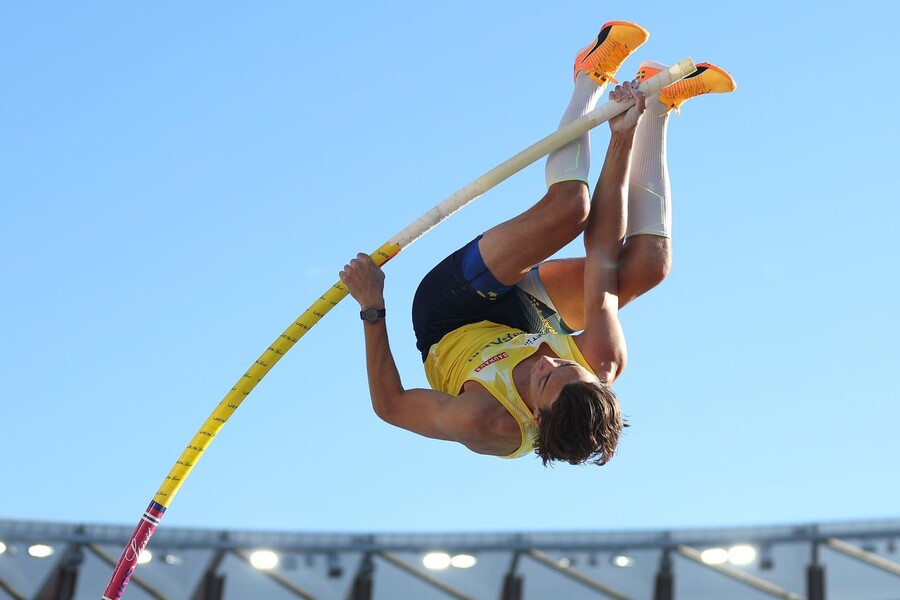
372 314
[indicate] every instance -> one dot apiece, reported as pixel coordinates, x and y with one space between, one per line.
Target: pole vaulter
337 292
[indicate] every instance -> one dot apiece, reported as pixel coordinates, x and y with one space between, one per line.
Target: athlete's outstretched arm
603 343
427 412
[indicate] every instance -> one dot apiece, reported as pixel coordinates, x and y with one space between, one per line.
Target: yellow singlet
487 353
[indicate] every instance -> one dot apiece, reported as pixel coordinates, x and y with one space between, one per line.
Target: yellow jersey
487 353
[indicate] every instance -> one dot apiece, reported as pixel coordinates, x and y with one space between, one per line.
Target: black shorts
460 290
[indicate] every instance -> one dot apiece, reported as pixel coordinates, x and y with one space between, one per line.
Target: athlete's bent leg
646 257
511 249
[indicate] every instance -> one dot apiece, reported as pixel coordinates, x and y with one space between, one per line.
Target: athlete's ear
537 415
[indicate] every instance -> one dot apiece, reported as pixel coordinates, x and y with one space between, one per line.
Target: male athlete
495 320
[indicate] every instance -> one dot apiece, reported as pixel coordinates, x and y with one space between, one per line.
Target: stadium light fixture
144 557
741 554
2 547
621 560
263 560
40 550
714 556
463 561
437 561
173 560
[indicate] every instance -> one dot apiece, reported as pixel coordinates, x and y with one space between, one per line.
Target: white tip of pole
678 71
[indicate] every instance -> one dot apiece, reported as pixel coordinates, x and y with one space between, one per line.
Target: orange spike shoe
616 40
707 79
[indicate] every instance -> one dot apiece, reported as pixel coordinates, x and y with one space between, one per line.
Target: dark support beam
815 576
211 586
362 583
512 583
815 582
664 586
60 584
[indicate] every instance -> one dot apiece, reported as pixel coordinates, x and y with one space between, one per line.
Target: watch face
371 315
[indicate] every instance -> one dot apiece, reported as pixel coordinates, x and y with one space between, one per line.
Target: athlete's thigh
513 247
564 281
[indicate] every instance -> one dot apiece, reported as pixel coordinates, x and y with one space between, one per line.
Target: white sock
649 191
572 162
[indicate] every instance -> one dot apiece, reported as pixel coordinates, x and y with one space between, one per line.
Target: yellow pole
204 437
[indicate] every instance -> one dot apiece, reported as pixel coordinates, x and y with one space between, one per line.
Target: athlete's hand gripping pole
204 437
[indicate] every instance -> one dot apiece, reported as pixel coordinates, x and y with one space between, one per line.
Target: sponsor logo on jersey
491 361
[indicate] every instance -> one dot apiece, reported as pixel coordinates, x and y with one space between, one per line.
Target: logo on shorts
491 361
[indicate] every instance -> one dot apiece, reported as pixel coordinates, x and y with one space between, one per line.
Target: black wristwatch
371 314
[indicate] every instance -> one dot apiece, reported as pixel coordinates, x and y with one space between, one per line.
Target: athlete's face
548 377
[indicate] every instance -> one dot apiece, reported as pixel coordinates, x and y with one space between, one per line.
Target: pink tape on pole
128 561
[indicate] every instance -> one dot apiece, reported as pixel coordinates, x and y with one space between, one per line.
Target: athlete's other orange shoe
616 40
707 79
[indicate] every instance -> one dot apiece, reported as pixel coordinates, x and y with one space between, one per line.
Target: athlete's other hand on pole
628 120
364 280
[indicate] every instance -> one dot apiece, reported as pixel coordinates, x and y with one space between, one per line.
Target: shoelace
680 91
612 55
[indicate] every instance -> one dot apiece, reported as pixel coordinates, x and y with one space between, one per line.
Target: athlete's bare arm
602 342
429 413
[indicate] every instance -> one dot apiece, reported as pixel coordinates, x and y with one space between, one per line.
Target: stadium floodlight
463 561
173 560
436 561
2 547
741 554
264 560
144 557
621 560
40 550
714 556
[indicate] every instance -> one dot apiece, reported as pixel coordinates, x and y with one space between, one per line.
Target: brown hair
582 425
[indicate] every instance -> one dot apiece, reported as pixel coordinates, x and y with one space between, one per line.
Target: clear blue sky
179 182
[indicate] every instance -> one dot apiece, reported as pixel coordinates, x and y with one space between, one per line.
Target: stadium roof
854 560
